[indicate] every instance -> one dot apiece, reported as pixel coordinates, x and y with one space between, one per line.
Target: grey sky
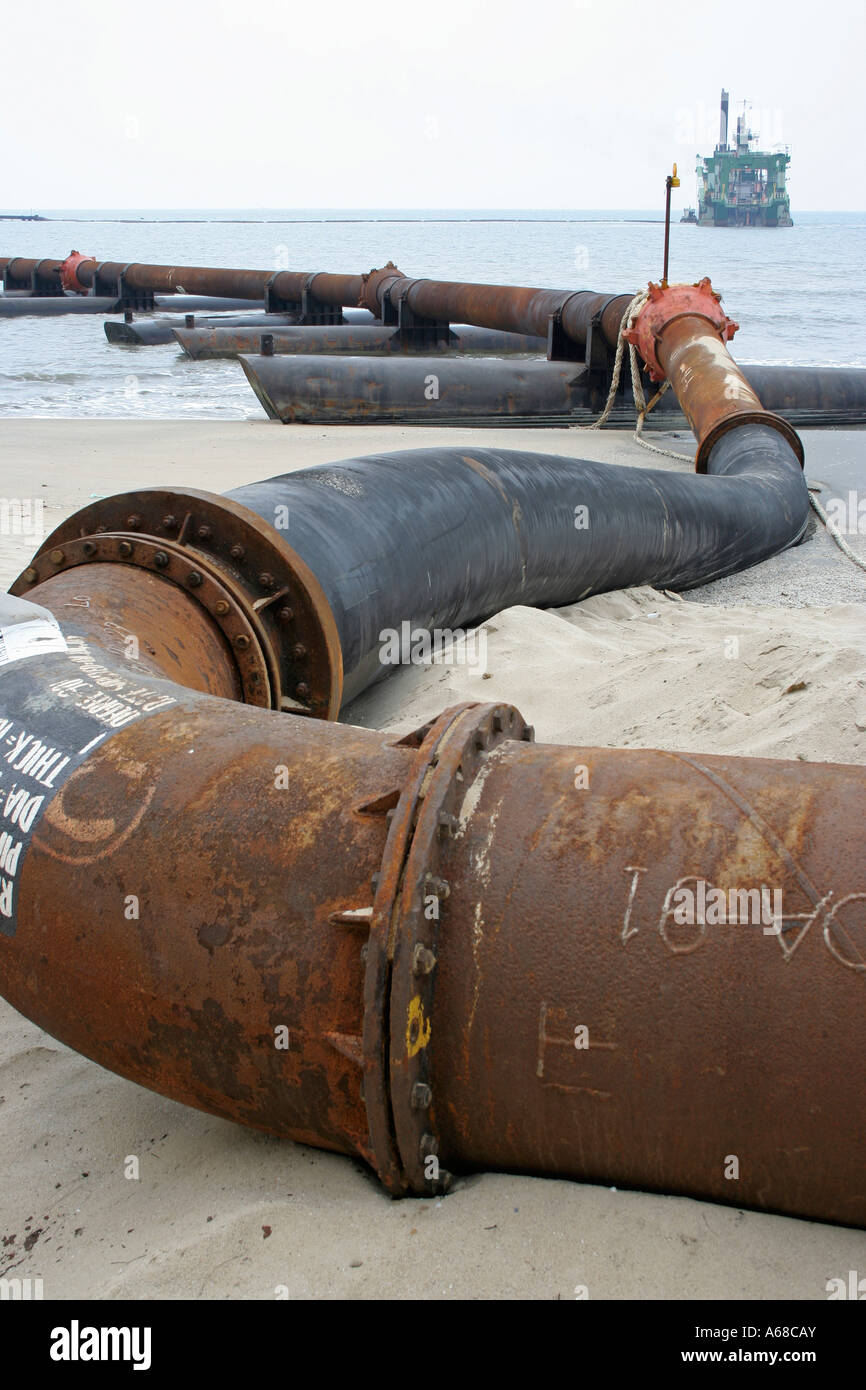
454 103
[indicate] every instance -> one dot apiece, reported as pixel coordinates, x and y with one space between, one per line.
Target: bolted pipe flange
69 272
409 913
744 417
401 810
180 566
235 565
674 302
372 285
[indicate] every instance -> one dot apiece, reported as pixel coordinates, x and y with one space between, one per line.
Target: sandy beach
222 1212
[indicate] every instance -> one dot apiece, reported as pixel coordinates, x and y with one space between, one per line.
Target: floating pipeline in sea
143 332
81 274
286 285
301 574
32 276
436 390
317 296
453 951
422 309
14 305
230 341
148 332
387 293
507 308
432 390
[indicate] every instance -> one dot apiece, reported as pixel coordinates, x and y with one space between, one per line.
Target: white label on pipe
36 637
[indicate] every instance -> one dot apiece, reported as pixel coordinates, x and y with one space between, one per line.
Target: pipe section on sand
302 573
440 953
452 950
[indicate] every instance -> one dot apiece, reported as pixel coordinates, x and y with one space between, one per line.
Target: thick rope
642 409
834 531
627 320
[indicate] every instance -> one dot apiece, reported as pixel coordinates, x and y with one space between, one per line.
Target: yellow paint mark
417 1028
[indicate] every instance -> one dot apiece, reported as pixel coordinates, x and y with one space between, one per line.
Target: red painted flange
68 272
674 302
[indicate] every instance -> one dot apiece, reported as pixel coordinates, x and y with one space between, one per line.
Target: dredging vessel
740 186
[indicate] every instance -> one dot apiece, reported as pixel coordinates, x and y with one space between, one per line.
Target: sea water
798 293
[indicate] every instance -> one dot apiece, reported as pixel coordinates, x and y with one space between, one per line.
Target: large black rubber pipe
144 332
147 332
431 390
422 390
51 306
443 538
826 391
801 395
203 342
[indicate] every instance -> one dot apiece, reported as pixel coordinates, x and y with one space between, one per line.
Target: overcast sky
394 104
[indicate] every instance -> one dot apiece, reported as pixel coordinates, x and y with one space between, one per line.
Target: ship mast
744 135
723 124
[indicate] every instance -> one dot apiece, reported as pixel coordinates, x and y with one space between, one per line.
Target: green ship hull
740 186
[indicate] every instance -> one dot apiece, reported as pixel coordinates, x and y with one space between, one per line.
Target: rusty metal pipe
712 390
237 284
19 269
449 952
79 274
510 308
681 332
689 1057
507 308
334 290
203 764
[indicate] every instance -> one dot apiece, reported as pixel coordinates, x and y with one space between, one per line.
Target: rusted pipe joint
263 600
374 281
674 302
682 335
473 966
409 912
69 272
748 417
